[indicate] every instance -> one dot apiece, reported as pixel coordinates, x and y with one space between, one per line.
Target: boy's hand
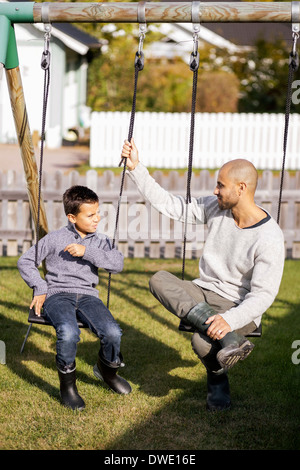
75 250
130 151
38 302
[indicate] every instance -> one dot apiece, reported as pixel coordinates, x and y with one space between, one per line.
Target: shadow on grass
265 393
264 388
137 346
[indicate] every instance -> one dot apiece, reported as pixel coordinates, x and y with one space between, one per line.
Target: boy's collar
72 227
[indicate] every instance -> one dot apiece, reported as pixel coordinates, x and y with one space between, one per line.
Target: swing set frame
159 12
141 12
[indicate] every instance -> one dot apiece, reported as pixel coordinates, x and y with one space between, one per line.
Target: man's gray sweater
66 273
242 265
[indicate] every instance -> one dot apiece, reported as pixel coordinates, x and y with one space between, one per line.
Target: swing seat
183 326
41 320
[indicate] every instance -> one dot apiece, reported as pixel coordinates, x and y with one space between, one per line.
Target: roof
246 34
71 36
67 28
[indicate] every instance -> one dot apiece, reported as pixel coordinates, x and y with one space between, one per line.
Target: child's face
87 219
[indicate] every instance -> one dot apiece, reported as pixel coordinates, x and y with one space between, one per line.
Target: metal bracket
45 62
45 18
141 18
195 14
295 31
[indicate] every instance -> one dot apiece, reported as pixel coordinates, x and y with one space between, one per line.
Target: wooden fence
142 231
163 139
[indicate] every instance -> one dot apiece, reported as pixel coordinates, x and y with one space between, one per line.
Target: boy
73 255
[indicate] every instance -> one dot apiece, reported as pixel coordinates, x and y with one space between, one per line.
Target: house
69 49
233 37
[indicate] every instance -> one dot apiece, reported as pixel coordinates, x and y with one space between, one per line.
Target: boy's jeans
61 309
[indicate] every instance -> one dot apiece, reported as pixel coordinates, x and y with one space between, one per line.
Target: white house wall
75 81
64 94
29 52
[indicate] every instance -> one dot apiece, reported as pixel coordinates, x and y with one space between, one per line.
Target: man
240 268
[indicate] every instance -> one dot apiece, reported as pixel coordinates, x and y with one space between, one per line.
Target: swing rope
138 67
45 65
194 66
293 67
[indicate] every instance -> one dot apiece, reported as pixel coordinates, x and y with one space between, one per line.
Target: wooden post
9 58
19 110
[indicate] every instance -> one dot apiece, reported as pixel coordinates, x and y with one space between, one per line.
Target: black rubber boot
208 359
218 392
107 371
233 346
68 390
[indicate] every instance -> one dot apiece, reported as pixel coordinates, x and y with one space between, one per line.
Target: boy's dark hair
77 195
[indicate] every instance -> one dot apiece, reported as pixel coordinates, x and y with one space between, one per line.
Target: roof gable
70 35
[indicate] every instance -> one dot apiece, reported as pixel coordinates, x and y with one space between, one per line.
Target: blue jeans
61 310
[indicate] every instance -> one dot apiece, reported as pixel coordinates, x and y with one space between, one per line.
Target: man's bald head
241 171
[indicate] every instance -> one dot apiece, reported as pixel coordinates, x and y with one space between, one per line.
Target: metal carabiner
139 56
195 13
295 38
194 59
294 57
45 62
139 61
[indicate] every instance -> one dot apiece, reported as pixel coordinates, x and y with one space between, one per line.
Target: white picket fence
163 139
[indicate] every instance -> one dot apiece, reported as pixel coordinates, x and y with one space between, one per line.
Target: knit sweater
242 265
66 273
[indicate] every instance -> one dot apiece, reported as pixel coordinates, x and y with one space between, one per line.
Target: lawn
166 410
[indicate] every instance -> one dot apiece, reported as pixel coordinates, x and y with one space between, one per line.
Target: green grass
166 410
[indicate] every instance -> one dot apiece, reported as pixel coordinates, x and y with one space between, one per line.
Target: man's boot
233 346
107 371
218 392
68 390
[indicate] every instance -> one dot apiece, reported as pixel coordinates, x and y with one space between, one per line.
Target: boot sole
229 356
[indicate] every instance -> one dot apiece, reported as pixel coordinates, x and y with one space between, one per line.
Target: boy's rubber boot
68 390
233 346
107 371
218 392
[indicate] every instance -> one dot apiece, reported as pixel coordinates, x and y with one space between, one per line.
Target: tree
165 85
218 92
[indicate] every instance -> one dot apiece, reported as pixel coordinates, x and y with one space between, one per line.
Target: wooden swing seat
41 320
190 329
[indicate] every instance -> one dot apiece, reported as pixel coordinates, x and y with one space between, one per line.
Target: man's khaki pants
179 297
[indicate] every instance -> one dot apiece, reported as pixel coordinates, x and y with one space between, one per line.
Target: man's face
226 191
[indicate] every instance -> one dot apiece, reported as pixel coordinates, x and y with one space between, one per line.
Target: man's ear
242 188
71 218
